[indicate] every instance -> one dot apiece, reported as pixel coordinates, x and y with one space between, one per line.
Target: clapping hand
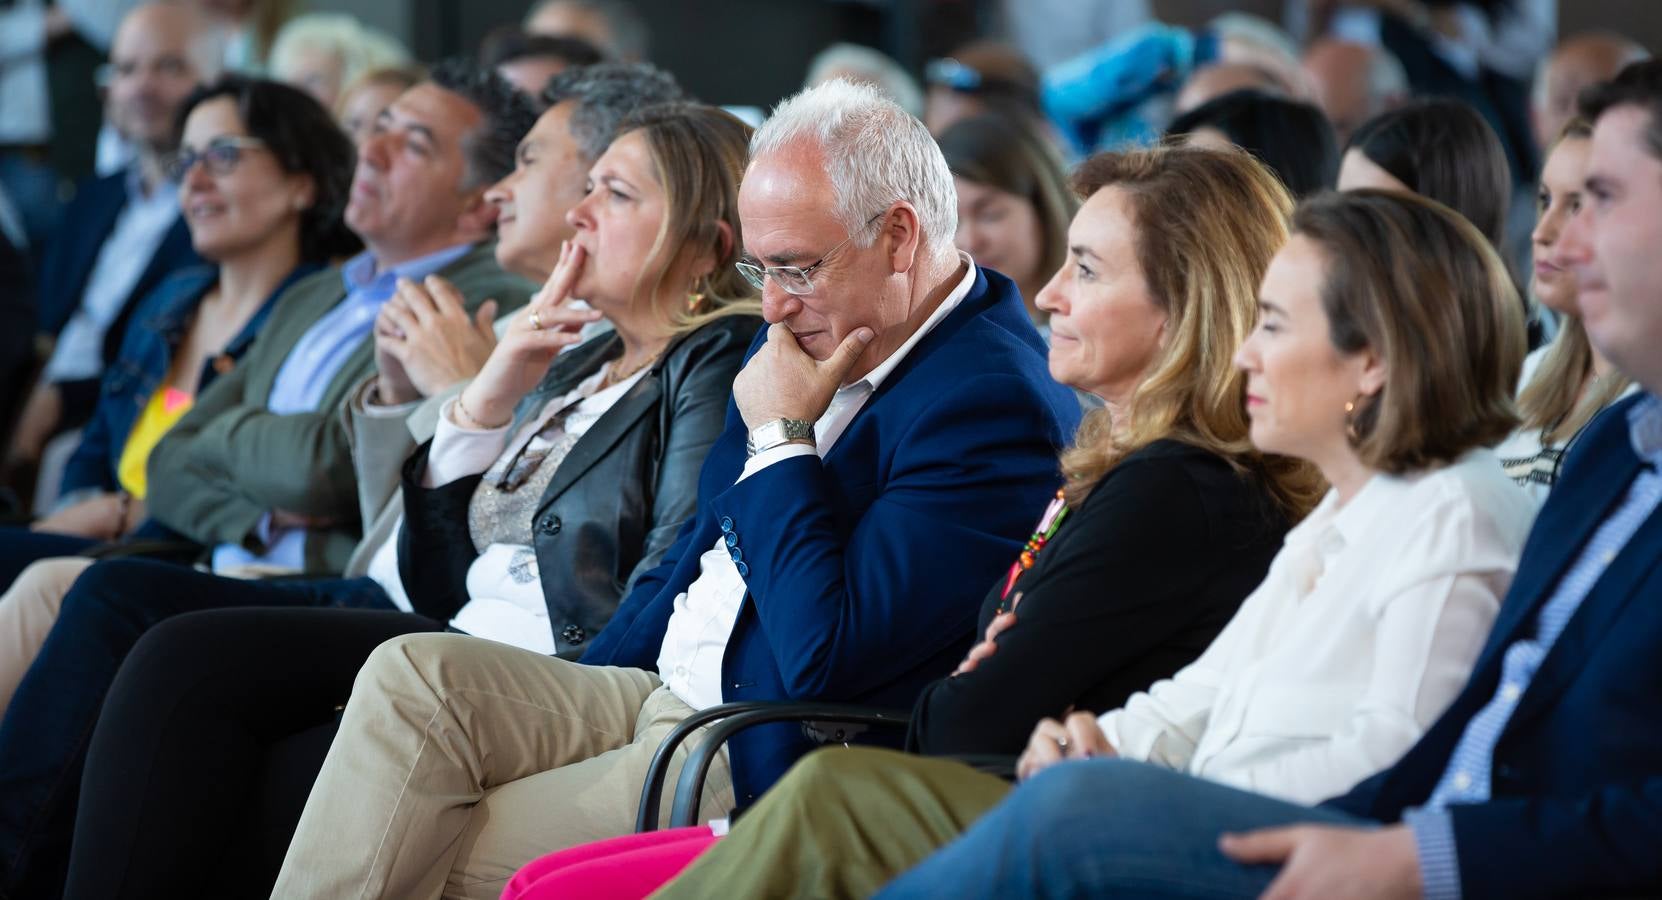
783 382
547 325
425 341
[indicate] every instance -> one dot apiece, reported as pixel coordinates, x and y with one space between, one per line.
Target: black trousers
208 744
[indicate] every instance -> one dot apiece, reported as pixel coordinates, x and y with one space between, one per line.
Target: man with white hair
889 442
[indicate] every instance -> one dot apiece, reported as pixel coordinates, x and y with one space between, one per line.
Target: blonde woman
1568 382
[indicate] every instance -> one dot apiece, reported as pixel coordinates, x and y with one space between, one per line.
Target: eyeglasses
221 156
792 279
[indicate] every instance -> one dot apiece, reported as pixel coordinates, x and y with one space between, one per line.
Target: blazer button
726 524
548 525
731 539
744 570
573 634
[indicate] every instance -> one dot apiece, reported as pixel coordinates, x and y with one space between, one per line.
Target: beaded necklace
1048 524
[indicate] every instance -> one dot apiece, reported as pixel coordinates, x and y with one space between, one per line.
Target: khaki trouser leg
575 804
457 753
841 823
28 610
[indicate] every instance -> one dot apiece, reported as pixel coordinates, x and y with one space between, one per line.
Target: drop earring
1350 421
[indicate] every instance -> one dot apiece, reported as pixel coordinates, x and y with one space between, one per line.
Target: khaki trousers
843 822
459 760
28 610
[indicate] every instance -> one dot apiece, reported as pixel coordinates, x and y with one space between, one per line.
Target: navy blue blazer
866 570
1576 806
70 255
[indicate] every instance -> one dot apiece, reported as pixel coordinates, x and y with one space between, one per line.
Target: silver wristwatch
768 435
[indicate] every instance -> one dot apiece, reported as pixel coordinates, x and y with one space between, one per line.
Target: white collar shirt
1363 631
695 640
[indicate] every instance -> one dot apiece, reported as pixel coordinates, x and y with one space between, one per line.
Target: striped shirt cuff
1434 840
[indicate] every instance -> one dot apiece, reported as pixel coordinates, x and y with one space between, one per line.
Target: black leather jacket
617 500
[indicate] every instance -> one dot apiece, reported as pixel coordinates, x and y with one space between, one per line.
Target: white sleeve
777 454
458 452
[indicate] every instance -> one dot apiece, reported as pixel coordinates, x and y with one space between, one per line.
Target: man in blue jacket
1544 777
889 441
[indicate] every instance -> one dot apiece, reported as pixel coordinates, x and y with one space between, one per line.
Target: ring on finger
1062 743
536 323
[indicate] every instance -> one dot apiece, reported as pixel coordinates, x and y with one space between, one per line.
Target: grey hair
605 94
875 154
857 62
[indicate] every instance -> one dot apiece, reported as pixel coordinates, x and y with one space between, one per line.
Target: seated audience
613 26
1370 618
323 53
1568 382
610 454
362 100
263 175
529 60
1168 517
1353 82
1290 136
260 466
853 577
1013 202
121 235
1524 788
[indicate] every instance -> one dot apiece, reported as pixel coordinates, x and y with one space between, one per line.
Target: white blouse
504 585
1364 630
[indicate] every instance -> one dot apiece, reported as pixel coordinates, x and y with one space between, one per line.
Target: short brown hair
1207 224
1419 284
1638 84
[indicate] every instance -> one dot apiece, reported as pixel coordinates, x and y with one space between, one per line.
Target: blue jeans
1108 828
47 728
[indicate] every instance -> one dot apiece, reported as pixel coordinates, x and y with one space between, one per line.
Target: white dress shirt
1364 630
504 586
139 230
695 640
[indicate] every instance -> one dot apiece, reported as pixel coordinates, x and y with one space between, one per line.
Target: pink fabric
623 868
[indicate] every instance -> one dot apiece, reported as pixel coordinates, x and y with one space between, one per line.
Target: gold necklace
613 376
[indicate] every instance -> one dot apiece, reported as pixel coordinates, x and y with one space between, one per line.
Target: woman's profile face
1557 201
617 222
1297 381
1000 230
1105 326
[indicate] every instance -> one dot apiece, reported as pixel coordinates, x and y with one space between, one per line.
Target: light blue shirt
314 362
1467 778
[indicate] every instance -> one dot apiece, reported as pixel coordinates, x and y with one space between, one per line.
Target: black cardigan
617 500
1134 585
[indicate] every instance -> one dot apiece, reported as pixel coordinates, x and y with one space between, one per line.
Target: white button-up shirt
1364 630
696 639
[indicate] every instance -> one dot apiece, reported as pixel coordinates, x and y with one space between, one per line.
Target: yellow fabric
167 406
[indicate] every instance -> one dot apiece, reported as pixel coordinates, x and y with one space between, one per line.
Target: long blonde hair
1553 400
1207 222
698 156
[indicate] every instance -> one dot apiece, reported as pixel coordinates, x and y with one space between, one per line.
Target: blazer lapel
1598 612
603 435
1560 531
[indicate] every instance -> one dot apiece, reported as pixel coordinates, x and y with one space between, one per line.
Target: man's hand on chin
1332 863
783 382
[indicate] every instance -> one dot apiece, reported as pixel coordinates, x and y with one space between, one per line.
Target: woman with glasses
554 480
263 175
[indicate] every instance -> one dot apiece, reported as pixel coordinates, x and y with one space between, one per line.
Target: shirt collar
879 373
1644 422
362 271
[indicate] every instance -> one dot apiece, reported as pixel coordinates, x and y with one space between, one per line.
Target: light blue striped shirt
1467 776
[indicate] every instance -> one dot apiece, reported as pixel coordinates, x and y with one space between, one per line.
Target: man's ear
901 236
